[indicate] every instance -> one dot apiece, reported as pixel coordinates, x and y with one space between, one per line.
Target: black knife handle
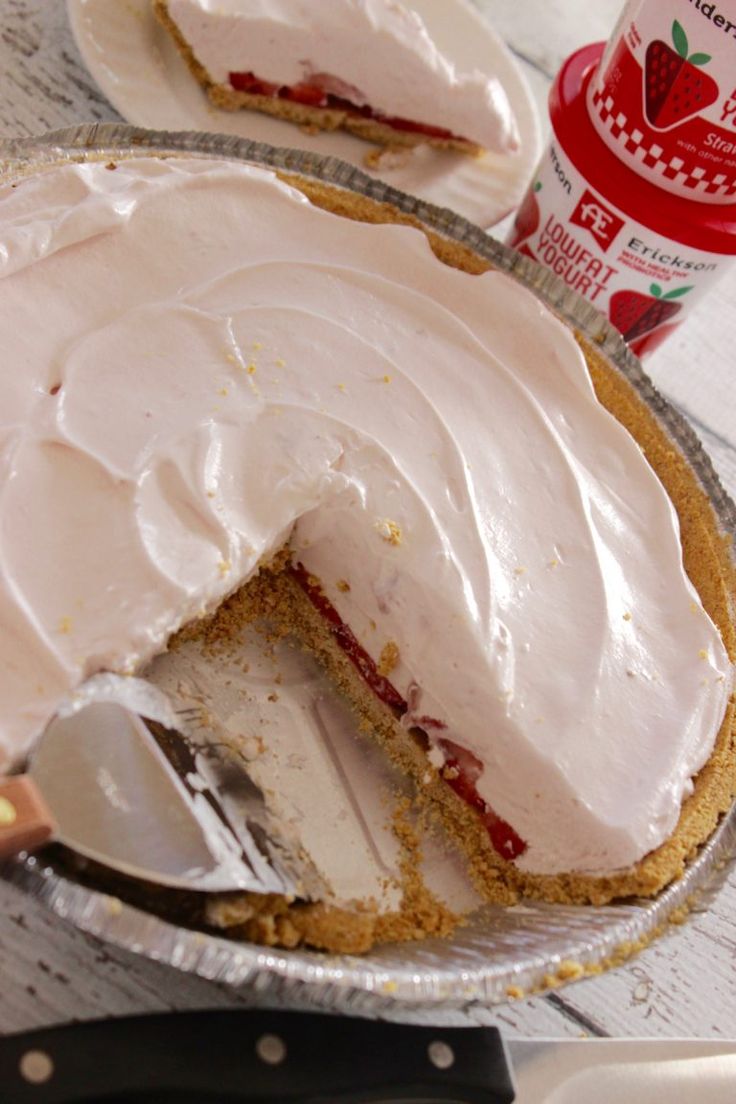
255 1056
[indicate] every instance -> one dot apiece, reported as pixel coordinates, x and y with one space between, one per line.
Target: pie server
130 794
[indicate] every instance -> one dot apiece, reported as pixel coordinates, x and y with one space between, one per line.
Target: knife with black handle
228 1056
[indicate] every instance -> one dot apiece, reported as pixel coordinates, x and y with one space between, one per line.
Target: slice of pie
368 66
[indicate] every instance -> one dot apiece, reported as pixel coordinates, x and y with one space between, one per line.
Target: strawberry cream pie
368 66
240 396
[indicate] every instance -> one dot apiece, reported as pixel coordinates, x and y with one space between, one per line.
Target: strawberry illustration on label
635 314
675 89
646 344
527 218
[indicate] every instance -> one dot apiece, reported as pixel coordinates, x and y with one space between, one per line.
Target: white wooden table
684 985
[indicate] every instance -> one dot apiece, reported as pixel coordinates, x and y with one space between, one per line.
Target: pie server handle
26 822
222 1056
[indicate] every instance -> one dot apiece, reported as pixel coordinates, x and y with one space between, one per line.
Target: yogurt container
664 96
643 256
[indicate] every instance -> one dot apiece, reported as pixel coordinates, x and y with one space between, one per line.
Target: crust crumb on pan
277 921
272 601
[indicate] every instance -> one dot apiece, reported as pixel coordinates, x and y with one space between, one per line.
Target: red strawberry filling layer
314 96
462 768
675 88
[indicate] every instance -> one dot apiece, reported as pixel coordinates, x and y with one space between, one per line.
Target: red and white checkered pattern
632 141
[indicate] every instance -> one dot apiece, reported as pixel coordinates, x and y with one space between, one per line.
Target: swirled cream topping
371 52
198 365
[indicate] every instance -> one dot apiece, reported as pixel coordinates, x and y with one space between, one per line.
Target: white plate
139 69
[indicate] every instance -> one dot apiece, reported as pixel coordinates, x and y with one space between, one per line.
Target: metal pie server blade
100 783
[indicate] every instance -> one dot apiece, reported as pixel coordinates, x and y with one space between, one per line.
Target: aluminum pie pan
501 952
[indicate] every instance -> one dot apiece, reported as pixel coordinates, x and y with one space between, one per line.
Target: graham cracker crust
226 98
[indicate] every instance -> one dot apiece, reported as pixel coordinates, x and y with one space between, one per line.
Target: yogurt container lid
703 226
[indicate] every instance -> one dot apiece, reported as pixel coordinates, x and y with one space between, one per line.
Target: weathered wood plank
43 81
545 33
683 985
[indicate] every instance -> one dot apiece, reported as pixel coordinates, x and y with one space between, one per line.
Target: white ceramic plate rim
138 68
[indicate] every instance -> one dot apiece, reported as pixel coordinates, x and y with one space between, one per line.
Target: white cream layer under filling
198 363
371 52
